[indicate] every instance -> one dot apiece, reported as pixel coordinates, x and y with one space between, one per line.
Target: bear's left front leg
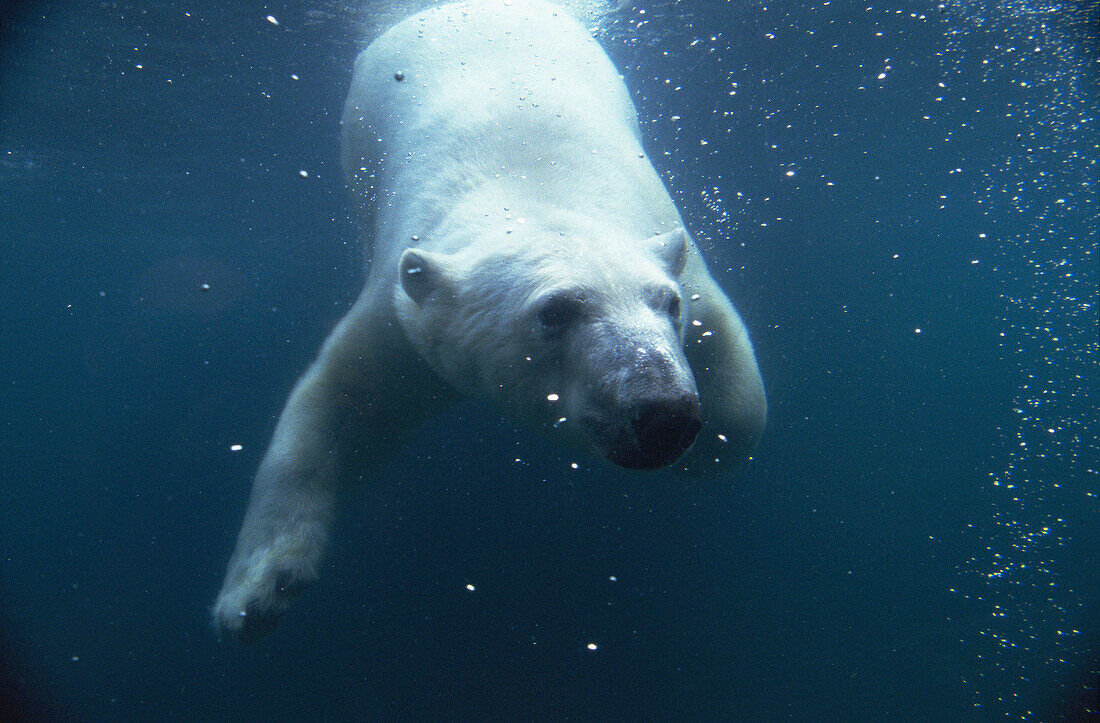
731 391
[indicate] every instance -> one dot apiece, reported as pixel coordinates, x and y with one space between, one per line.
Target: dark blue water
915 539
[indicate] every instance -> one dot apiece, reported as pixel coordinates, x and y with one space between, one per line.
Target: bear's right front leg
285 529
359 400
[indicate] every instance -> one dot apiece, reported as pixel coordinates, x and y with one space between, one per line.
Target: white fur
495 157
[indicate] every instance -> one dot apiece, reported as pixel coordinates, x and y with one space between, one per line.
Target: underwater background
900 198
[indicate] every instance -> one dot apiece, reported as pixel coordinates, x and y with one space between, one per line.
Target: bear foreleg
731 391
357 403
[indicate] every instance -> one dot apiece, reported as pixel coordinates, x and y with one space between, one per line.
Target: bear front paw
251 608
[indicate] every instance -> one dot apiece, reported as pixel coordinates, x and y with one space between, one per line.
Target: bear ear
671 249
421 273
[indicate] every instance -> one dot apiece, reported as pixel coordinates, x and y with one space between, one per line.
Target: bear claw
255 624
250 619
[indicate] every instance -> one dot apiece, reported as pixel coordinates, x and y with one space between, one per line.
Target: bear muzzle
661 431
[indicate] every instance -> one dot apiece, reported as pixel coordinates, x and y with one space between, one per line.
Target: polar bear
522 249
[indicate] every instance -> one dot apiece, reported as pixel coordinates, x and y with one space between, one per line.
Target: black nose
664 430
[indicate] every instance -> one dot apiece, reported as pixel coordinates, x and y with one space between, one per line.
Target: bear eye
560 311
667 302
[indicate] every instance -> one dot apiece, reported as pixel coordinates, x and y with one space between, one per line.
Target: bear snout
664 430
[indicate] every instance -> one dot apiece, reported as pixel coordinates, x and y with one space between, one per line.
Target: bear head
581 337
